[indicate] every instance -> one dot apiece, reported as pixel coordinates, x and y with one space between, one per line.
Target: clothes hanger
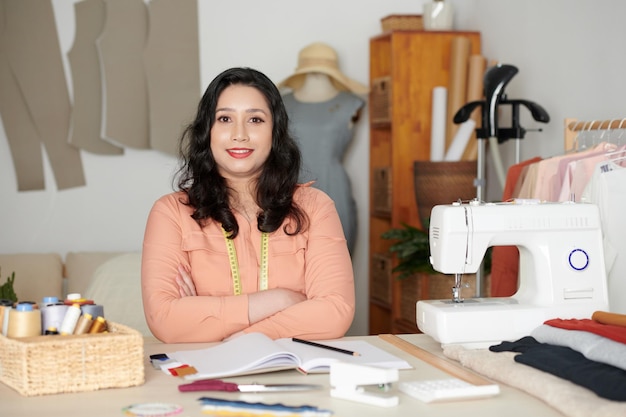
620 137
576 142
593 133
583 135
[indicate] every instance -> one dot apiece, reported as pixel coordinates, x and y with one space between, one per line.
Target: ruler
436 361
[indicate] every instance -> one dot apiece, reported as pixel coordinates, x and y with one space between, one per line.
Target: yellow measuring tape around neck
234 264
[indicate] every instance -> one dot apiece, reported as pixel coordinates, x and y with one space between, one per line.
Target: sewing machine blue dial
578 259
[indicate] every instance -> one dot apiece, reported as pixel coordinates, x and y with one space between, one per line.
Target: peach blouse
315 262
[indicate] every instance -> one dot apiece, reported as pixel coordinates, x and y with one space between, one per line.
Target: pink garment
546 172
527 190
579 171
565 175
315 262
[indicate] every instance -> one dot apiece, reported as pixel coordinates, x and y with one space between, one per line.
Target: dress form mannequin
323 106
321 119
316 87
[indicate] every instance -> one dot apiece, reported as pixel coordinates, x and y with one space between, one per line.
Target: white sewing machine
561 271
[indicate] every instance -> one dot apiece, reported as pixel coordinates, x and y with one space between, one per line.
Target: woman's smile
239 153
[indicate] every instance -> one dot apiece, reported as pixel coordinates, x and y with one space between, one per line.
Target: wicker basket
59 364
381 267
442 183
381 198
402 22
380 101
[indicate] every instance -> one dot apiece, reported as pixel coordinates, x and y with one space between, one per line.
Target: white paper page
237 356
313 357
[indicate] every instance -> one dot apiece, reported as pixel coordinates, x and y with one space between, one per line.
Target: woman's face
241 137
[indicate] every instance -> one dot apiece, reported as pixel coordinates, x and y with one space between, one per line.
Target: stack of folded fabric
588 352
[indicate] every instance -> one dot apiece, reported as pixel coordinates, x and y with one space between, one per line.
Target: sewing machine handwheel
578 259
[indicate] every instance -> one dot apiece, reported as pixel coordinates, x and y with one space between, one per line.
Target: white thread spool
52 316
70 319
5 307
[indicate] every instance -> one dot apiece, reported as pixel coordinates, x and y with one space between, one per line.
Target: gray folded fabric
591 345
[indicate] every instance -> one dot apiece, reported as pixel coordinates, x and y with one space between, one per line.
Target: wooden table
160 387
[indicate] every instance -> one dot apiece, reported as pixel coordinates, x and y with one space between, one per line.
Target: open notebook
255 353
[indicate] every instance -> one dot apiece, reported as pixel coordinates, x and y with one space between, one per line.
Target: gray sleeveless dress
323 132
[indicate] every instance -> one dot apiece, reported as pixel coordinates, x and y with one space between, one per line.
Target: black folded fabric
605 380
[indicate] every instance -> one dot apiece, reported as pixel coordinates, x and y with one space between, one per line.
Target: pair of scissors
219 385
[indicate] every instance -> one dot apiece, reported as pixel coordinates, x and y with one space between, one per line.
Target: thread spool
73 296
98 326
24 321
53 315
76 298
84 324
46 301
32 303
5 308
94 309
70 319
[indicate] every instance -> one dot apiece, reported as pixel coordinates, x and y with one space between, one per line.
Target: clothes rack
574 126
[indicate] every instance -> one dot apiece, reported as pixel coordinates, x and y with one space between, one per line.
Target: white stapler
561 268
348 382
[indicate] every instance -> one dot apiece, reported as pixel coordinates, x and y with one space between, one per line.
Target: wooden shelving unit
405 66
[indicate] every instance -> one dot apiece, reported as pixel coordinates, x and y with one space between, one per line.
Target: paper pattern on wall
86 80
35 105
173 70
121 45
24 142
31 47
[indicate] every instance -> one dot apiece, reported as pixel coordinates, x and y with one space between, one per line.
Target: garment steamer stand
495 79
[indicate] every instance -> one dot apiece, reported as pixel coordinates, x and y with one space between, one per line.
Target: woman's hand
186 287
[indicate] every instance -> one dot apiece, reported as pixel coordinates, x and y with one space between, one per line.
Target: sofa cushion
80 267
116 285
37 275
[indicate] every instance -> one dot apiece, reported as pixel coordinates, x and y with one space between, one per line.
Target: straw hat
319 57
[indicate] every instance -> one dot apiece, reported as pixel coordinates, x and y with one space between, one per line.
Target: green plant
411 248
413 251
6 289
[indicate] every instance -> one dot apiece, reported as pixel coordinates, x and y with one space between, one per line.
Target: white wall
568 53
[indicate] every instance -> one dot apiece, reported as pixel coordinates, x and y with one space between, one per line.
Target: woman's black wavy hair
207 190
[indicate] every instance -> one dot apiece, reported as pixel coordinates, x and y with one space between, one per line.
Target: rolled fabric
438 124
606 317
459 56
476 73
459 143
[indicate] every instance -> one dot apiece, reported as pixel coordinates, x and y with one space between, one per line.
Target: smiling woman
241 138
241 246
